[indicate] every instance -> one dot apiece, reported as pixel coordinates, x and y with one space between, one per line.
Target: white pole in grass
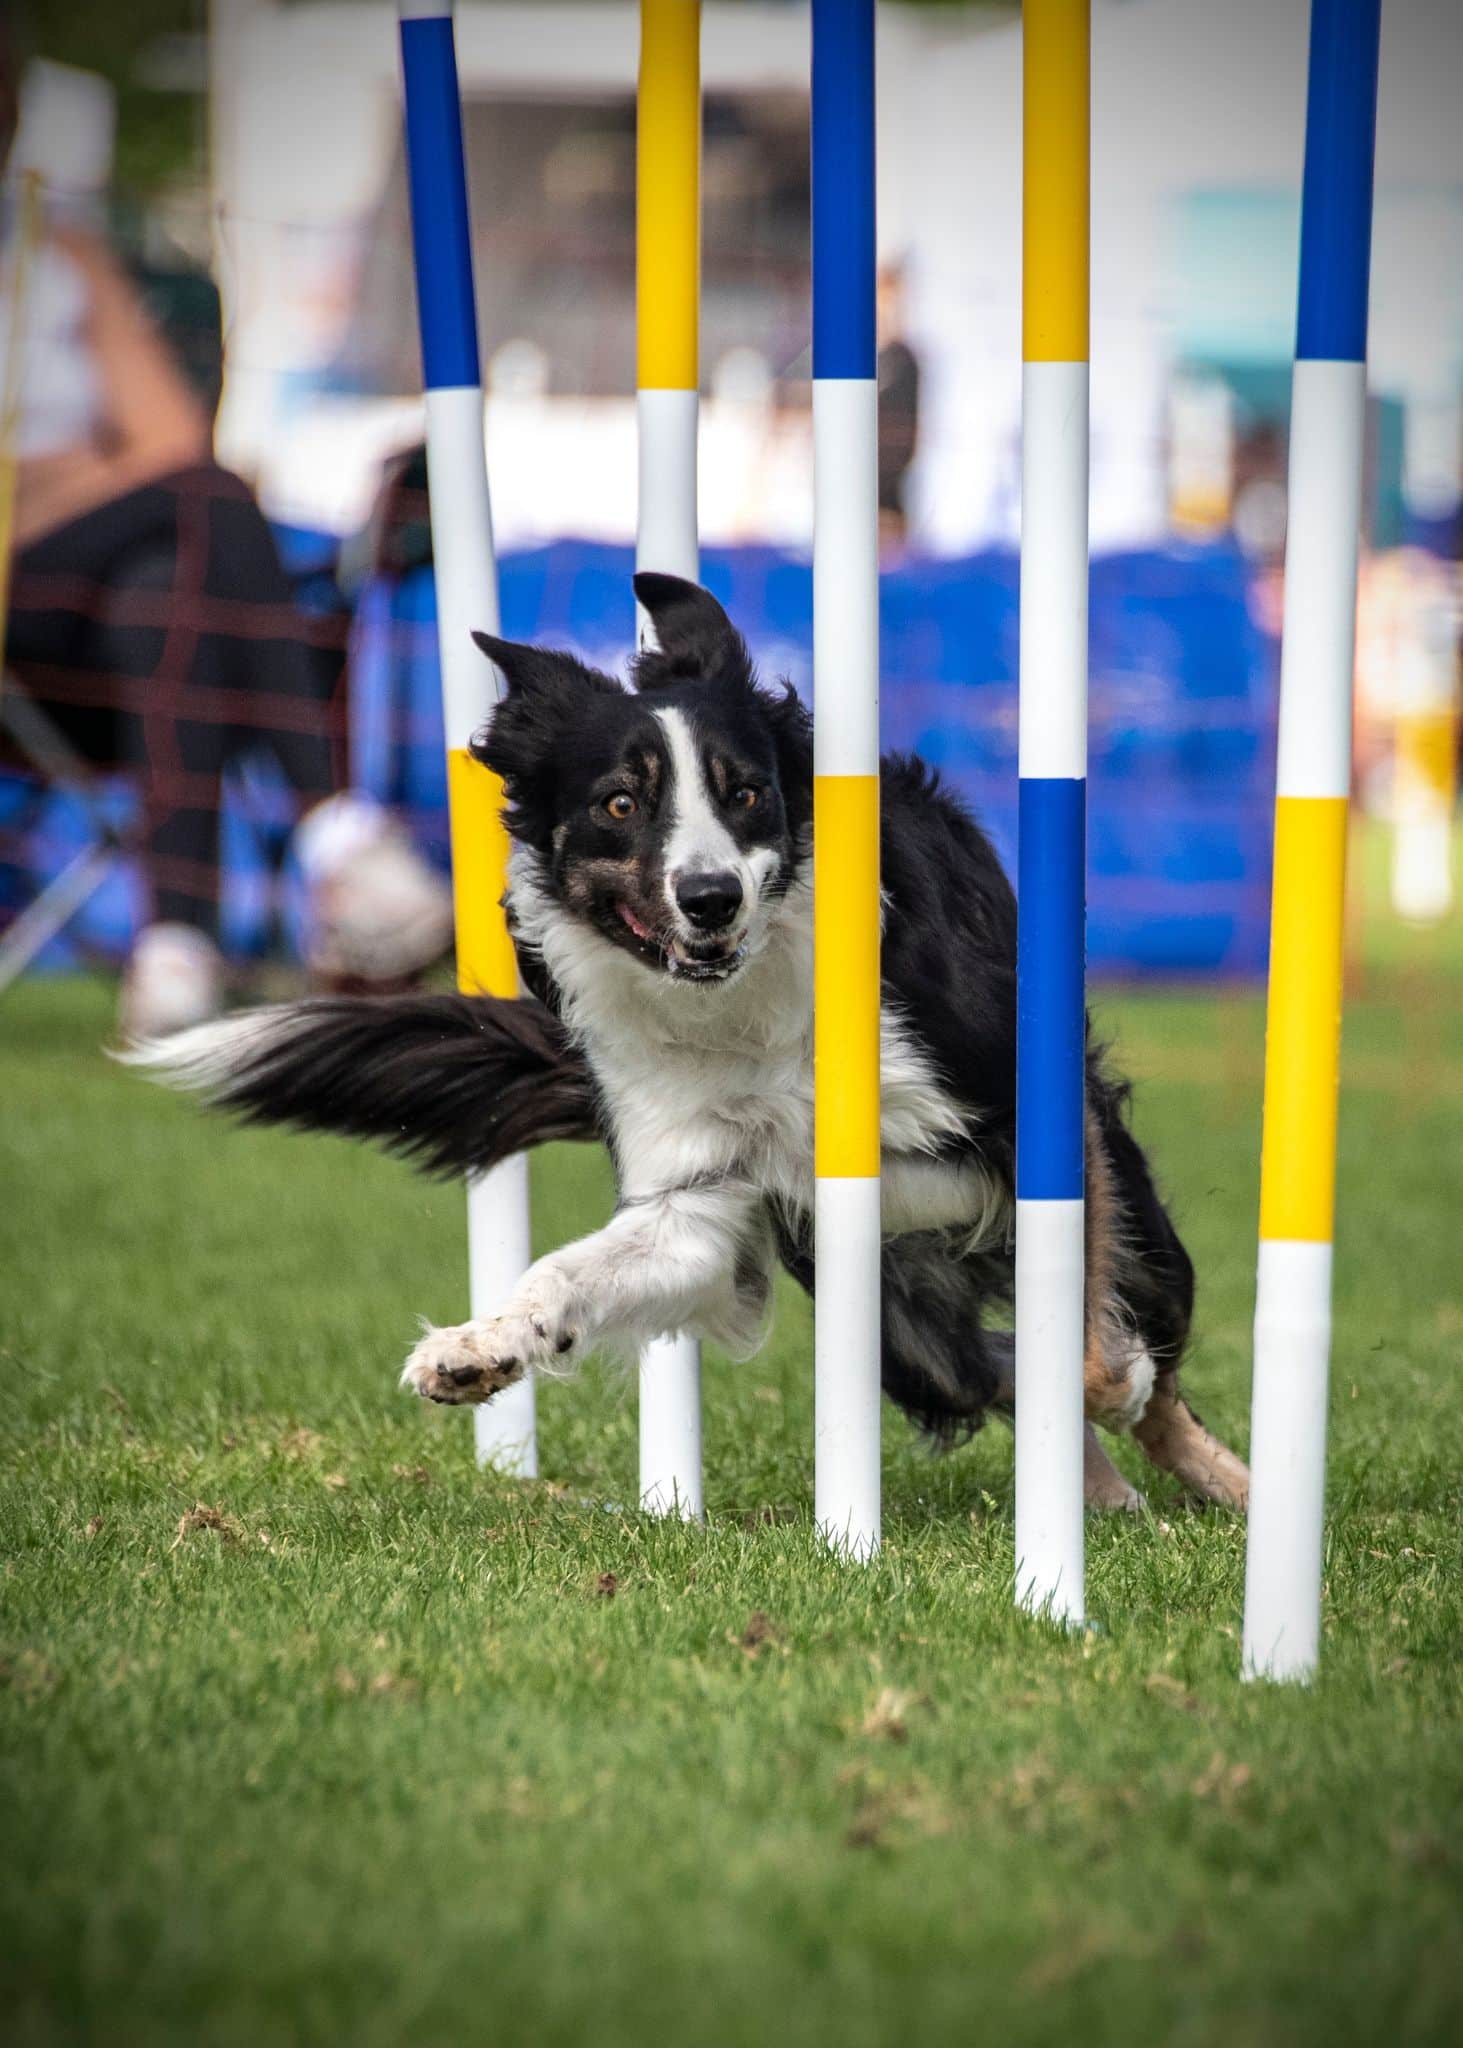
1303 1027
846 779
467 597
1050 1026
668 376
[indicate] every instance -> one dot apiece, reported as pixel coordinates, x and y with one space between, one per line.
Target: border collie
660 897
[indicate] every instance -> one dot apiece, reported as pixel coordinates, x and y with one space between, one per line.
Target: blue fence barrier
1182 729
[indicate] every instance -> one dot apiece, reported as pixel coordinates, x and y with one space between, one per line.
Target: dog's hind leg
1140 1299
1103 1485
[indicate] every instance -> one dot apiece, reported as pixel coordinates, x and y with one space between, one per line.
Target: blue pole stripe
843 189
441 235
1051 939
1336 200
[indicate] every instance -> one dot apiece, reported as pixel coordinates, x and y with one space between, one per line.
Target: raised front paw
473 1361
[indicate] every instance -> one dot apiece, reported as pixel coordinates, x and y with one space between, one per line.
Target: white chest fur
709 1081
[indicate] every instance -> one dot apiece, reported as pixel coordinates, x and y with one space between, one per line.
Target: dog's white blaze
698 841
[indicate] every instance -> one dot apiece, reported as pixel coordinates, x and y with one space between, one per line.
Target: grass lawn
310 1732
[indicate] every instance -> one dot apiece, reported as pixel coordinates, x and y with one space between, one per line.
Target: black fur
452 1083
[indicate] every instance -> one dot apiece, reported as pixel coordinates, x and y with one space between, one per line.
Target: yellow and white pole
1052 832
1303 1034
846 780
668 377
466 579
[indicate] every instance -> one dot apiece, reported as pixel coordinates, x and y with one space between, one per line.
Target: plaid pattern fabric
161 634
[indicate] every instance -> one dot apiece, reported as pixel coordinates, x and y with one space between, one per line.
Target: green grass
377 1761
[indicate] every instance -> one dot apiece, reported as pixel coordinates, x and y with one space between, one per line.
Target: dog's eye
745 797
621 804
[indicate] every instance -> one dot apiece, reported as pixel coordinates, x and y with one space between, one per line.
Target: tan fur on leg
1173 1438
1103 1486
1117 1373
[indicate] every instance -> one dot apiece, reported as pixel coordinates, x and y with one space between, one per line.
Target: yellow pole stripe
1056 189
1303 1029
846 975
486 964
668 196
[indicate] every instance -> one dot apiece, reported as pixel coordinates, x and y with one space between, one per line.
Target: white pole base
499 1251
846 1356
1282 1631
670 1428
1050 1560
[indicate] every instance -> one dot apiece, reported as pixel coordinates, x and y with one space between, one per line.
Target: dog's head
670 819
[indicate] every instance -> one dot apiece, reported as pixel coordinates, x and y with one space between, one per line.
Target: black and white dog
660 897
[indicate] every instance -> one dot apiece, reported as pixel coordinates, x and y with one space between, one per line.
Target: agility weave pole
1303 1026
846 779
1052 828
498 1239
668 377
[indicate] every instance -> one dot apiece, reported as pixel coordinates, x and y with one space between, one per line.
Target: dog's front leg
660 1263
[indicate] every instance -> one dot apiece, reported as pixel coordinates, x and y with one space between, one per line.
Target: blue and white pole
846 909
466 576
1052 860
1313 783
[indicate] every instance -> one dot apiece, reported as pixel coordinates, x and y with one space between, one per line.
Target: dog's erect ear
547 697
538 669
694 638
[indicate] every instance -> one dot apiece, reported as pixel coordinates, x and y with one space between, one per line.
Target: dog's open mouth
709 960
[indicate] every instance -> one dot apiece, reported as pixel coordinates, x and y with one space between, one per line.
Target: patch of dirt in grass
200 1518
758 1635
1223 1782
381 1685
1176 1694
893 1814
28 1674
887 1719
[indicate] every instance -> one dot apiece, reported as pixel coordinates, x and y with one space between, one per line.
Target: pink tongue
633 921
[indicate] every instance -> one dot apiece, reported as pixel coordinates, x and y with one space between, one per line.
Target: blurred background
241 163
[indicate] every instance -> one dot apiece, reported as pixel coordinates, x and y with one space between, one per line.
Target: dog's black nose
710 901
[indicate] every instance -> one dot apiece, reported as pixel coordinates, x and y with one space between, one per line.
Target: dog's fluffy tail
453 1083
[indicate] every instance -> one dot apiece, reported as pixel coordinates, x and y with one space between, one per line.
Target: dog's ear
538 671
695 641
547 694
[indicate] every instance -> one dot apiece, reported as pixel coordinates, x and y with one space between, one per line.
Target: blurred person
899 380
151 618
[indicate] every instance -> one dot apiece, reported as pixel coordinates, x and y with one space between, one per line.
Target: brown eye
745 797
621 804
